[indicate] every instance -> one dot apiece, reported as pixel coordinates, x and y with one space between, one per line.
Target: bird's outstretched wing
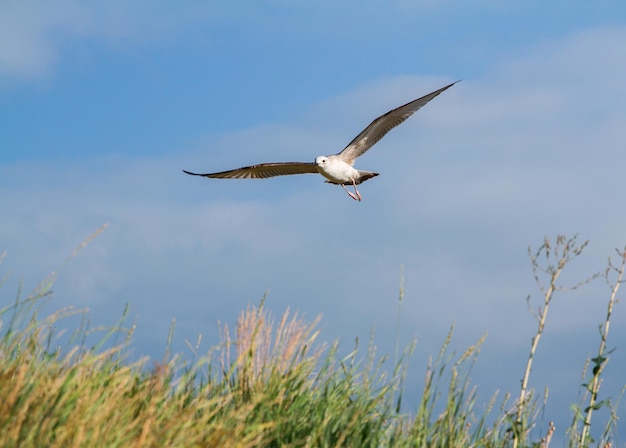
263 171
383 124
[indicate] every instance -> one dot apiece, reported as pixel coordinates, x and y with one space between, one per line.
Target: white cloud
31 33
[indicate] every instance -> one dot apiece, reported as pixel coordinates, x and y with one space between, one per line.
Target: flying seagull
337 169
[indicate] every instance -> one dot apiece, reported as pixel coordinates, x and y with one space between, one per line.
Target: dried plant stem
543 314
400 298
557 257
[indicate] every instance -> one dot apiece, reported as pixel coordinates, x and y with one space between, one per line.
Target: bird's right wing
383 124
263 171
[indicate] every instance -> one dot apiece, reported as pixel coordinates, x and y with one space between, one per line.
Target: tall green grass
271 382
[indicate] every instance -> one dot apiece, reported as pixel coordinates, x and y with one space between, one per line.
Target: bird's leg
355 190
350 193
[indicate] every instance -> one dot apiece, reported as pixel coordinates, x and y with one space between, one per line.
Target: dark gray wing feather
263 171
383 124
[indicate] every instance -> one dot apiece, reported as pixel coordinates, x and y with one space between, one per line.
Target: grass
270 382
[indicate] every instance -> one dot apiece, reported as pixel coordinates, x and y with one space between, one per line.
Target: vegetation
271 383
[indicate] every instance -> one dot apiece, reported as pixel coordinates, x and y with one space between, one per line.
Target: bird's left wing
263 171
383 124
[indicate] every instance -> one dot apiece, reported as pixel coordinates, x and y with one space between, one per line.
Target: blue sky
102 106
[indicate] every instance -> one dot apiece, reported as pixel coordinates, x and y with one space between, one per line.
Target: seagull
338 168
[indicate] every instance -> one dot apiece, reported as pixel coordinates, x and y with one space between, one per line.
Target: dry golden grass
263 349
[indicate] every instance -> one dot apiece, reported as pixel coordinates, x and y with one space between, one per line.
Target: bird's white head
321 160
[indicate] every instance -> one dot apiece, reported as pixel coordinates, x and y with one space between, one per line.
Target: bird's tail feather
363 176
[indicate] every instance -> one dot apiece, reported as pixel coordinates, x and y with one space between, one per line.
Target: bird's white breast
337 170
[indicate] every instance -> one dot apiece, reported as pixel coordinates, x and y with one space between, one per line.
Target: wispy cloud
33 33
